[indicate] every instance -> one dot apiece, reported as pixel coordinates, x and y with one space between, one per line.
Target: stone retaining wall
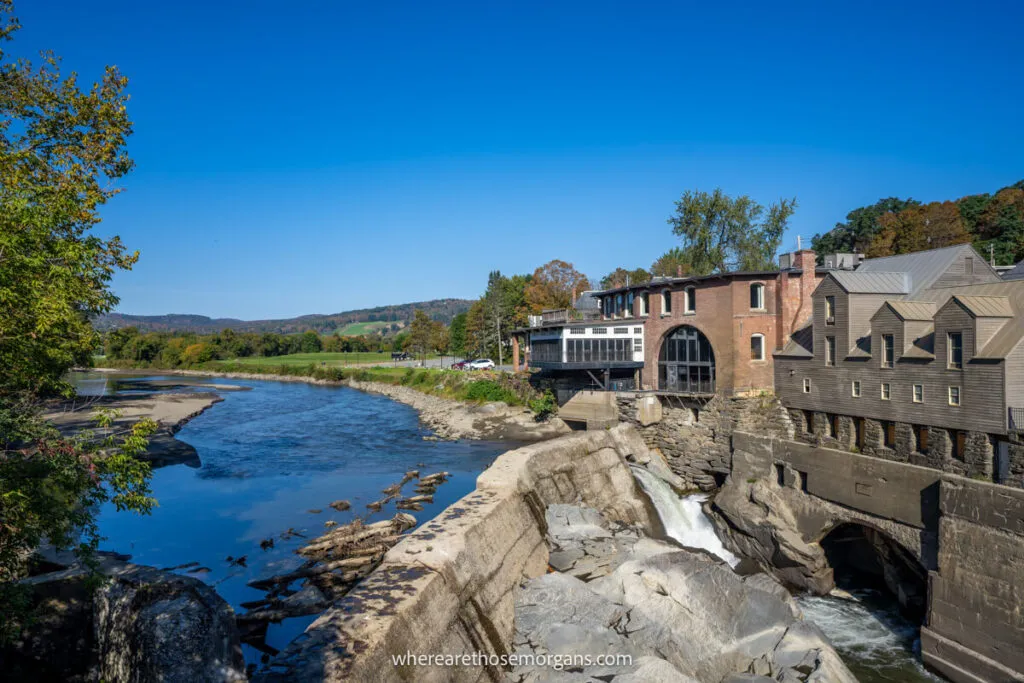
449 586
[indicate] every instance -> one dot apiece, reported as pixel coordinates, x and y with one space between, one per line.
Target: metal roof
856 282
913 310
1010 334
587 301
800 344
987 306
923 267
1016 273
923 347
662 281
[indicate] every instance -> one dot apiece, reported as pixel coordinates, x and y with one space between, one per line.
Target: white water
683 518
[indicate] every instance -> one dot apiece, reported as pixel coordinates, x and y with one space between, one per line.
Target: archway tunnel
864 557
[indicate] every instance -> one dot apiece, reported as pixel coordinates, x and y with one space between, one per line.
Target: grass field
331 359
356 329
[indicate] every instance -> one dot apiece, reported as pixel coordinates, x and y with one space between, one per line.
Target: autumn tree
861 227
927 226
671 264
62 152
620 277
721 233
554 285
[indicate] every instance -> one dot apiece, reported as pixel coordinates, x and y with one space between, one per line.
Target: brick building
916 358
701 336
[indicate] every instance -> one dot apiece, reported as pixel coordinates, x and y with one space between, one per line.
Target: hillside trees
917 228
720 233
860 228
554 285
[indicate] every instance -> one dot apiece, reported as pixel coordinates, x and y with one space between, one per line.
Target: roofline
696 278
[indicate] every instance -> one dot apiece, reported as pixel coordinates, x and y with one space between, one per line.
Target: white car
481 364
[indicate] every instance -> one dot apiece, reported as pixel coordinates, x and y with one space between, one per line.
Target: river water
867 630
272 459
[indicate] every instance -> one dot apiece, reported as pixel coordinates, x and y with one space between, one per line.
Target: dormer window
830 310
757 296
691 299
888 350
955 350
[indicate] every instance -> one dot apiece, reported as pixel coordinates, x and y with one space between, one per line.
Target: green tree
721 233
310 342
672 263
620 277
457 335
62 152
421 334
860 228
928 226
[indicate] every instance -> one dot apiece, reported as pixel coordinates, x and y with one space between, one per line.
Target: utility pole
501 356
992 254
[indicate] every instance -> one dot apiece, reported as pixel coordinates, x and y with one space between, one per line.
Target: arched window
691 299
757 347
757 296
666 302
686 362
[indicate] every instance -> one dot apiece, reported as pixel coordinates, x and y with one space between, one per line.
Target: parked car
481 364
400 355
461 365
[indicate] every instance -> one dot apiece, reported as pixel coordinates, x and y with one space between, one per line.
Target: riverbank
448 418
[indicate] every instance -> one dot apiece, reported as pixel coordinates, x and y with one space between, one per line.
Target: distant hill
362 321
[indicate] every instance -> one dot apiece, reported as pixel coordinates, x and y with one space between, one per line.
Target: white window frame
918 389
761 357
644 304
830 351
889 361
855 388
759 288
950 365
959 396
807 385
886 391
690 300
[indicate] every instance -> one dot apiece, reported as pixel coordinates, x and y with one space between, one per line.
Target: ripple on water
870 634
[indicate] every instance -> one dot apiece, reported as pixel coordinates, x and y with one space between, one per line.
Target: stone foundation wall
968 454
696 436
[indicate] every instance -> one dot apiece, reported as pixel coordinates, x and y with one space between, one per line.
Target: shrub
488 390
544 406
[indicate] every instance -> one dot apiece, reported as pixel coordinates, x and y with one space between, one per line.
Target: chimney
805 258
679 271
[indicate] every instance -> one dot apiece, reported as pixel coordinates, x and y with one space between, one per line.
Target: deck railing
1017 419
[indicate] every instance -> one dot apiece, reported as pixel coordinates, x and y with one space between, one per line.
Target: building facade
696 336
915 358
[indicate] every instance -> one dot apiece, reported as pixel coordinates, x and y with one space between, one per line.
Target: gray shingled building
915 358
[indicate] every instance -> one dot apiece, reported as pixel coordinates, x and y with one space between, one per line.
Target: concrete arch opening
686 362
864 557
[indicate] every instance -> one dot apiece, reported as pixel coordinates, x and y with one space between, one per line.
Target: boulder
152 625
755 521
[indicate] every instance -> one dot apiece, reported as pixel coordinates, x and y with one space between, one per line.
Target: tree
457 334
928 226
620 277
671 264
62 152
720 233
310 342
860 228
554 285
421 334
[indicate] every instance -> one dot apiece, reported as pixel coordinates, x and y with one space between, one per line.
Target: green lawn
333 359
356 329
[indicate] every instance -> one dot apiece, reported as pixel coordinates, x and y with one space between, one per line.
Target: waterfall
683 518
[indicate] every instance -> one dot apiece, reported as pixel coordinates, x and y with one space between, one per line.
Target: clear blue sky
305 156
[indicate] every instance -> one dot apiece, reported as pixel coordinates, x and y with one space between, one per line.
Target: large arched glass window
757 296
686 362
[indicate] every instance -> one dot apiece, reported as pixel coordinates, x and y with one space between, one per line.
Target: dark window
830 350
888 434
691 300
808 422
835 426
546 350
757 347
780 474
858 432
957 444
956 349
757 296
666 302
921 442
802 478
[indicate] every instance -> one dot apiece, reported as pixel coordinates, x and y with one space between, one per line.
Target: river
272 459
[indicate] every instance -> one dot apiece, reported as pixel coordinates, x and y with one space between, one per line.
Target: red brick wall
724 316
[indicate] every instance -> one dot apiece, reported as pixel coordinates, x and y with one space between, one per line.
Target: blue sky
321 156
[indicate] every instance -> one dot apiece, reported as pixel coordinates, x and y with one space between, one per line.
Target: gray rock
156 626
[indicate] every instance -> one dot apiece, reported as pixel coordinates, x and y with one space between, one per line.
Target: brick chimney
794 295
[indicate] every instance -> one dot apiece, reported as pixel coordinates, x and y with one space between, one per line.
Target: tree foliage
721 233
620 277
860 227
671 264
554 285
62 151
926 226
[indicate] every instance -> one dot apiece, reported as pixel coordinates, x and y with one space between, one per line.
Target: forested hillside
899 226
384 319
